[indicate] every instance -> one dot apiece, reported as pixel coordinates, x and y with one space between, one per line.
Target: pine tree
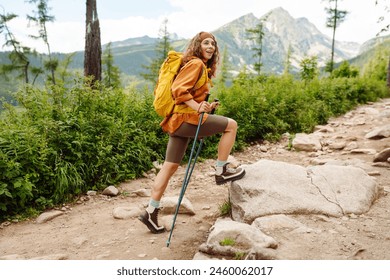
41 18
19 54
223 75
287 64
257 35
309 69
335 17
163 46
111 73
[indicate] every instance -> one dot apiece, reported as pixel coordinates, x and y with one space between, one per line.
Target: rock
141 192
244 235
91 193
12 257
202 256
337 145
243 238
271 187
364 151
47 216
169 205
382 156
124 212
103 256
370 111
382 164
277 222
323 128
157 165
111 191
374 173
385 114
306 142
52 257
379 132
263 149
351 146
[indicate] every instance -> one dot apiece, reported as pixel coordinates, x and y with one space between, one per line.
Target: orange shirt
183 90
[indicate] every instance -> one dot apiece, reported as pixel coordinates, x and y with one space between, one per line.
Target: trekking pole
189 170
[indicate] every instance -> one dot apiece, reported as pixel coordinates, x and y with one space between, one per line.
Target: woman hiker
199 61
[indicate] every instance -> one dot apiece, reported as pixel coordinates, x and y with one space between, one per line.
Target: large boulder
272 187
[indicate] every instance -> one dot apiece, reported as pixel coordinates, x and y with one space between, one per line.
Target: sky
123 19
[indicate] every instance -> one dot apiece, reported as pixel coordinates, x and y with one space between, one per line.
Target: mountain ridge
282 32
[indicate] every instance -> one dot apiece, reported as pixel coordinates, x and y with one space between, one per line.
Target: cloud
115 30
188 17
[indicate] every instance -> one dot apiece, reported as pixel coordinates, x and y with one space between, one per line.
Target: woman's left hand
214 105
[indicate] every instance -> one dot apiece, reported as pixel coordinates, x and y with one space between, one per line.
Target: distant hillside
368 50
282 32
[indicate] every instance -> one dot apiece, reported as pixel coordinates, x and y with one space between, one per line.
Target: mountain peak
283 33
279 12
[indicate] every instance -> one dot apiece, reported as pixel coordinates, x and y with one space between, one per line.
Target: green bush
65 142
265 108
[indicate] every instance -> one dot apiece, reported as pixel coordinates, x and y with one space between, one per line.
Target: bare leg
162 179
227 140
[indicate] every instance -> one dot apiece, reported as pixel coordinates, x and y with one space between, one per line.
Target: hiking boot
150 220
229 174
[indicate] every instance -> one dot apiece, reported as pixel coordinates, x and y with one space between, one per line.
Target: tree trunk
93 49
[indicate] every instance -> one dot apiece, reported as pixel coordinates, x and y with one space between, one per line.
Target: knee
232 125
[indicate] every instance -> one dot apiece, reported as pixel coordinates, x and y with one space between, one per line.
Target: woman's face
208 49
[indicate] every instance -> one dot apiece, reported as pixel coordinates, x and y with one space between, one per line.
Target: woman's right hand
204 107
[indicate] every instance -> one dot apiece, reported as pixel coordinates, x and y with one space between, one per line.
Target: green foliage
225 209
40 18
239 255
345 71
227 242
163 46
376 68
18 57
309 69
267 107
111 73
65 142
257 35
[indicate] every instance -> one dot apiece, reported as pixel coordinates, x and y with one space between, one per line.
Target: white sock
153 204
219 166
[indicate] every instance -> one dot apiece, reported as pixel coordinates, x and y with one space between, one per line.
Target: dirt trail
87 230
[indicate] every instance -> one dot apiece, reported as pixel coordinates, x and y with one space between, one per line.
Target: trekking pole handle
213 111
207 100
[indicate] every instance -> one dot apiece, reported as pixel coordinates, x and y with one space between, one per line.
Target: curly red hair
194 49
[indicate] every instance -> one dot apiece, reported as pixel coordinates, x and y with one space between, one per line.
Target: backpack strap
202 79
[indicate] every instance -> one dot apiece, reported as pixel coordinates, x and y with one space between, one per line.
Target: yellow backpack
163 100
